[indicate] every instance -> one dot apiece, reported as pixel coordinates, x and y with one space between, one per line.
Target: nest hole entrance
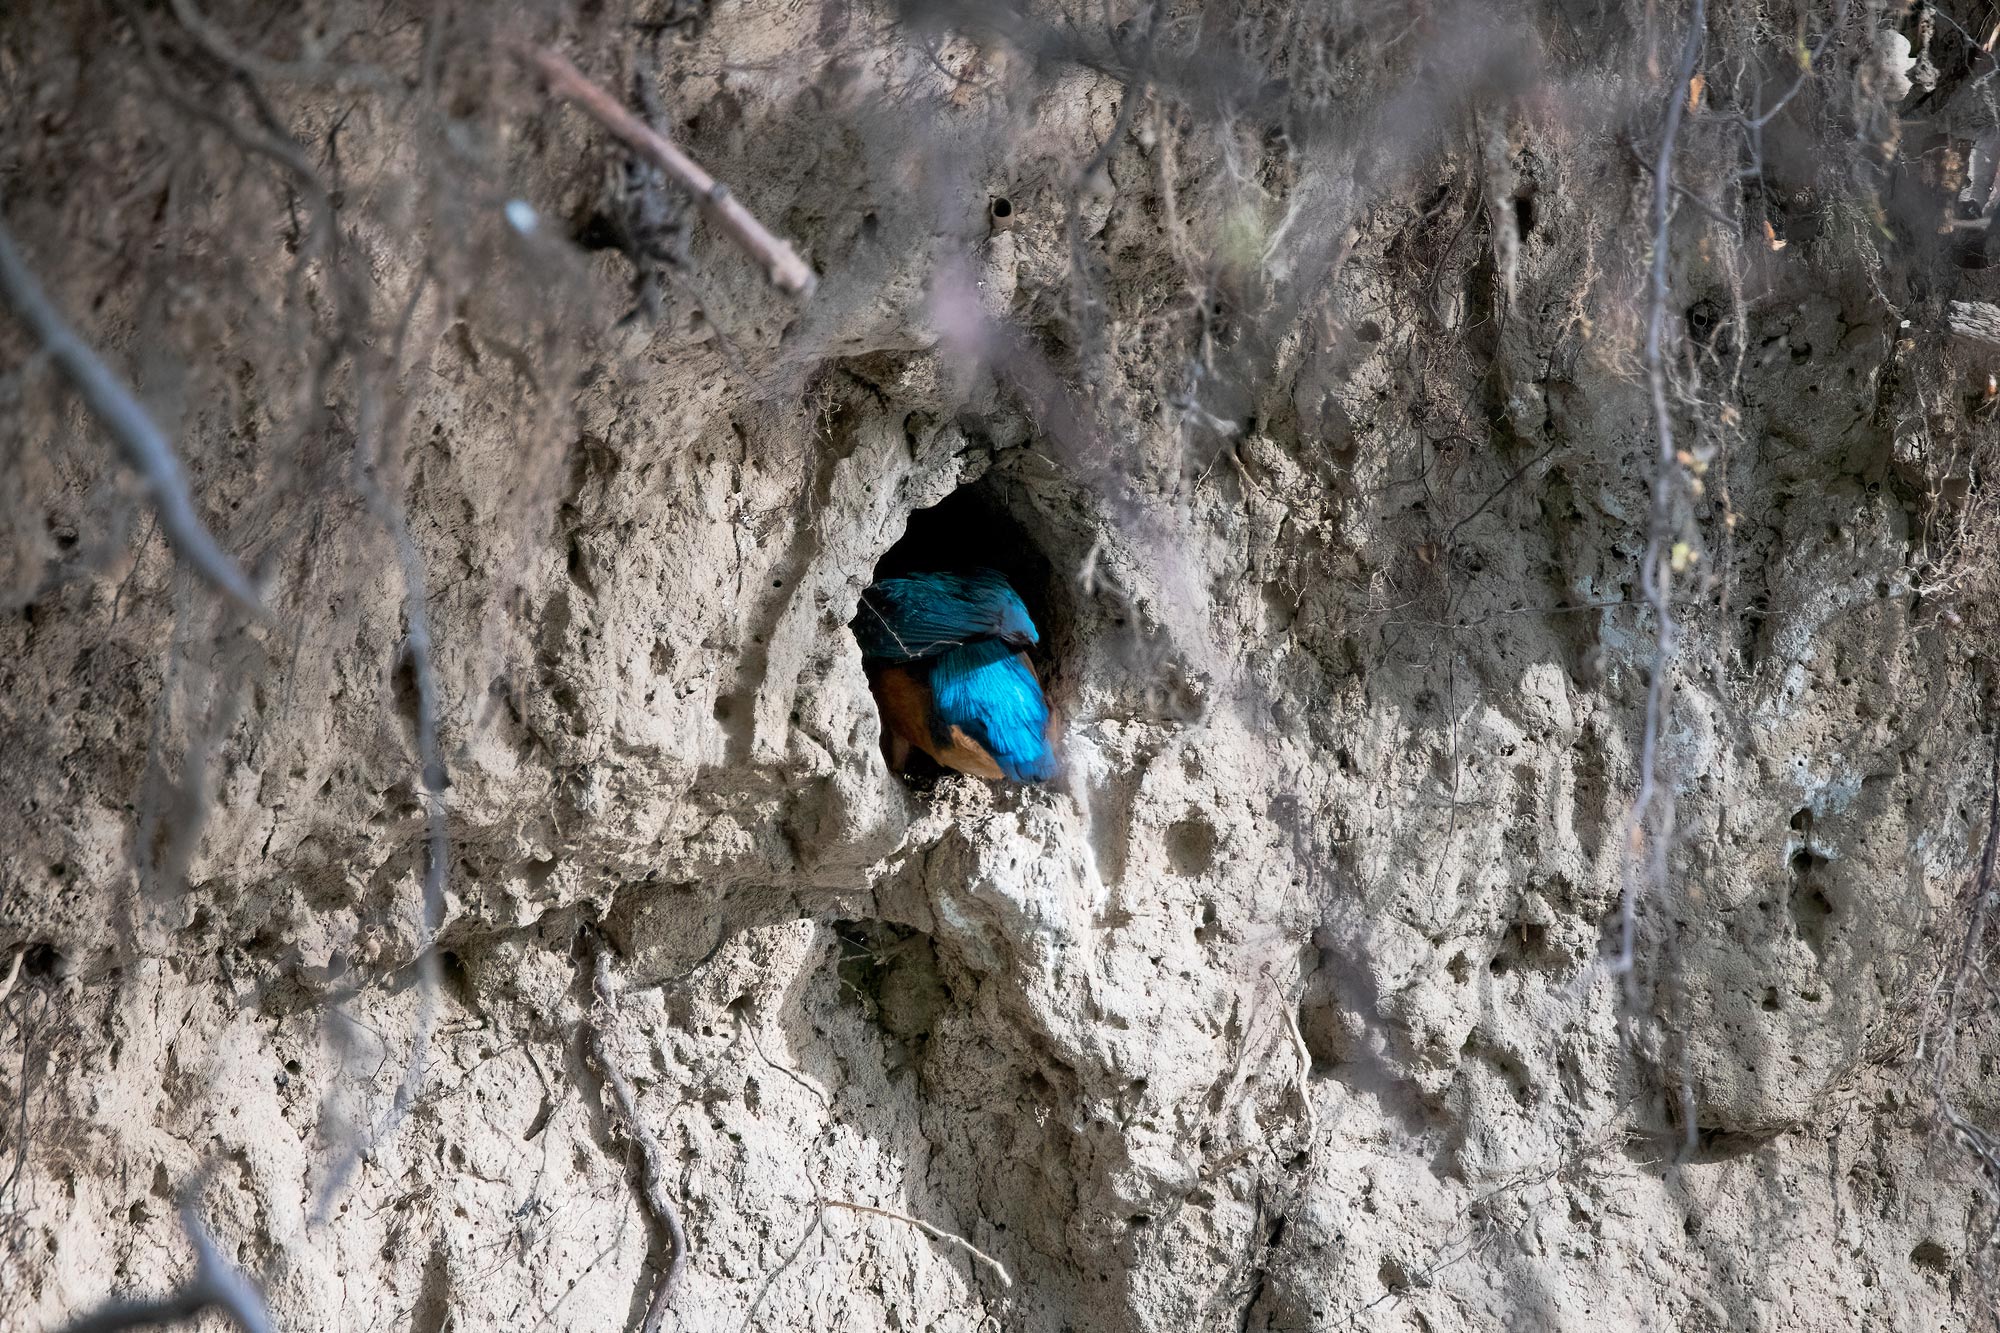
975 528
969 529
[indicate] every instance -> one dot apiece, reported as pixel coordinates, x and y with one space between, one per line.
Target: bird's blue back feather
926 615
987 690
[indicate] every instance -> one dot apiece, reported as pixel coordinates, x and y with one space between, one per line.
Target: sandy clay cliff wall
1301 387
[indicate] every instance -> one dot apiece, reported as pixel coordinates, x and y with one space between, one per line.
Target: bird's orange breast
905 704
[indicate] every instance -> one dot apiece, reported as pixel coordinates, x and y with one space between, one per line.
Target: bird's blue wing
925 615
988 690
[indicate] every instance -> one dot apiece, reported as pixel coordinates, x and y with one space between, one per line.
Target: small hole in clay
44 961
1191 847
1524 215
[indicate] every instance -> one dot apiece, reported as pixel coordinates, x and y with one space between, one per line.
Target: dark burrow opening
893 974
974 528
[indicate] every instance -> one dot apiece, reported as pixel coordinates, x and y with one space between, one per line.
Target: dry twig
145 448
999 1269
787 272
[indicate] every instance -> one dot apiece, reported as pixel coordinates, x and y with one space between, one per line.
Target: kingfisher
947 658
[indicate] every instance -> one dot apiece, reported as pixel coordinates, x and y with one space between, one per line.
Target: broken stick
788 273
935 1233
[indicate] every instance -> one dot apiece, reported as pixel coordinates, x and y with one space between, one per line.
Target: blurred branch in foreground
214 1286
146 450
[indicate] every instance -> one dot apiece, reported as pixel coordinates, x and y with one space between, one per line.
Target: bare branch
1753 126
215 1286
146 450
787 272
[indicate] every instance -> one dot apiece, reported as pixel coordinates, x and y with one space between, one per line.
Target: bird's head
1012 624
